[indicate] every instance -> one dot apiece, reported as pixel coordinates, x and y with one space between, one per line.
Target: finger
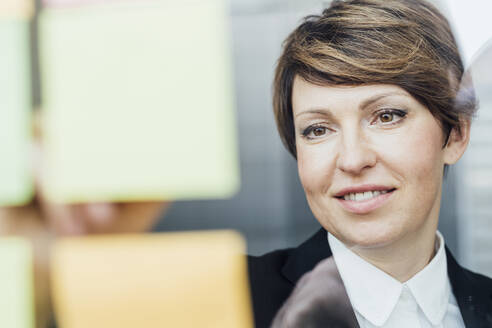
63 219
100 213
128 217
139 216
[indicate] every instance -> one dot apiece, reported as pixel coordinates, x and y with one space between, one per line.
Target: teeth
360 196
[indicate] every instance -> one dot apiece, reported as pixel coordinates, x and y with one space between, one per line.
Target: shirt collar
431 287
376 300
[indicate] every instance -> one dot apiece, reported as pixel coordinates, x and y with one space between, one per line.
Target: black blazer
273 276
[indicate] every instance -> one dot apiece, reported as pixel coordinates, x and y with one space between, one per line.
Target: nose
355 154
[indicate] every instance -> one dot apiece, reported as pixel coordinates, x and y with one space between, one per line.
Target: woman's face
370 159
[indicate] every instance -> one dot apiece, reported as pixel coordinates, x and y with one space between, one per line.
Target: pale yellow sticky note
16 283
16 8
138 101
179 280
15 111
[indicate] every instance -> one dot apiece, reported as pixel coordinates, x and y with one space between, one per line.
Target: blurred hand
319 300
41 221
99 218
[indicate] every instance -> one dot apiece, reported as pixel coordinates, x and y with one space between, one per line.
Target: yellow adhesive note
179 280
15 111
16 284
138 101
16 8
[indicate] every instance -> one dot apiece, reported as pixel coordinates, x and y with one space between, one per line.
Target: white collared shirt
379 300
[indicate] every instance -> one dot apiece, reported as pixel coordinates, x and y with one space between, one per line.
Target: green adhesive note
16 284
15 111
138 101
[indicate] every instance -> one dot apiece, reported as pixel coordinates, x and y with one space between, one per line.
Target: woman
365 98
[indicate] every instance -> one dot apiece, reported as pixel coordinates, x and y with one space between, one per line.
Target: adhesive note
16 284
77 3
184 280
15 111
16 8
138 101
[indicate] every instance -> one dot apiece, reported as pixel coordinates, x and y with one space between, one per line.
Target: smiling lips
364 199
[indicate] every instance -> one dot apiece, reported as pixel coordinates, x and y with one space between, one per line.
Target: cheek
427 163
416 157
316 166
427 150
416 150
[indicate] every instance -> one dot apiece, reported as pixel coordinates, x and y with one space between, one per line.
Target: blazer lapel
474 299
305 257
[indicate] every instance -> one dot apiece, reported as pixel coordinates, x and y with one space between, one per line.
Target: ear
457 142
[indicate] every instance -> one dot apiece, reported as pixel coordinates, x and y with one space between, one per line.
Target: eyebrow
317 110
376 98
362 106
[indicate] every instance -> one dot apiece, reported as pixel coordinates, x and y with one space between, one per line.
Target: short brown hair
404 43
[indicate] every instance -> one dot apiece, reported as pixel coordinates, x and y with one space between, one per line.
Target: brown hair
405 43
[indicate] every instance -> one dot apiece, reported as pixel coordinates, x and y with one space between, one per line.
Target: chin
367 234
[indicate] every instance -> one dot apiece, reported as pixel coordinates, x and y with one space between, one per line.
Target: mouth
364 199
362 196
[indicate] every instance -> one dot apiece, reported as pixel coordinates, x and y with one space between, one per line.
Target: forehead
308 96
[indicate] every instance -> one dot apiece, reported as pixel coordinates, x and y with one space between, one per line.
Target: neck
404 258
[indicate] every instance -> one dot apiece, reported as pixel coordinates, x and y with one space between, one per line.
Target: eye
389 116
318 131
315 131
386 117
